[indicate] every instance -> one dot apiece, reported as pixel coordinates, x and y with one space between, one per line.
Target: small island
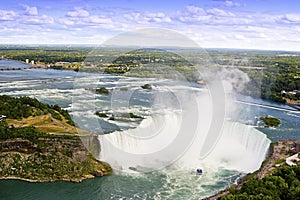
39 143
119 116
101 114
132 115
270 121
102 90
147 87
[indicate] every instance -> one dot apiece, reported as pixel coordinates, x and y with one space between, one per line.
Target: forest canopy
283 184
23 107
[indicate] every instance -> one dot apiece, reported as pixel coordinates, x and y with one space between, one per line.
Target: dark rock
147 87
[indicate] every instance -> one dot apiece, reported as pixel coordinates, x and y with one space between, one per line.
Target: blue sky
253 24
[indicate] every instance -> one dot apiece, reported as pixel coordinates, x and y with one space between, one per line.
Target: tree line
23 107
283 184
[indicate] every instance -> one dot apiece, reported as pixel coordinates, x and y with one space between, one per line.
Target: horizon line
116 46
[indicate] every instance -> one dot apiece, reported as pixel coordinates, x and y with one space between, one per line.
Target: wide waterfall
131 148
240 147
168 137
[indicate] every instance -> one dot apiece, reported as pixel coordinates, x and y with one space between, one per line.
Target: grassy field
46 124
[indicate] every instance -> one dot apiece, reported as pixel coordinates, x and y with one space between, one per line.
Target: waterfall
175 137
142 146
241 147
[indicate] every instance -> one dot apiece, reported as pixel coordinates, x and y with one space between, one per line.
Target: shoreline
277 150
49 181
294 107
31 151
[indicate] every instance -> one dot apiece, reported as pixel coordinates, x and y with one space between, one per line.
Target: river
177 180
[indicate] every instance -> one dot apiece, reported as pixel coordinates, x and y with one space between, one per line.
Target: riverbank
49 158
77 66
39 143
278 153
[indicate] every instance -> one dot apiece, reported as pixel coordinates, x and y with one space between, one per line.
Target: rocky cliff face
49 159
28 151
21 145
92 144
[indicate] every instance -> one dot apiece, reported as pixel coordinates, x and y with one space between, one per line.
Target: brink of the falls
240 147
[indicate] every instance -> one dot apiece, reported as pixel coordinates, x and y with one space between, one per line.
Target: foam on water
241 147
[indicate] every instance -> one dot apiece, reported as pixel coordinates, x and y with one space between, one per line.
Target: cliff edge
30 151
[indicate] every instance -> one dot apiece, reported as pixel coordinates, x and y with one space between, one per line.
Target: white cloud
32 11
78 12
7 15
216 16
98 20
134 16
157 17
90 23
36 20
147 18
81 18
231 4
213 16
193 14
196 10
219 12
65 21
293 17
193 19
31 16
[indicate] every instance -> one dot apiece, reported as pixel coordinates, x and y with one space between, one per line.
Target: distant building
32 62
27 61
295 148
